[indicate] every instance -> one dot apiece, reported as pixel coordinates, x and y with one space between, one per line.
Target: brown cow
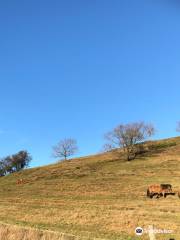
159 190
21 181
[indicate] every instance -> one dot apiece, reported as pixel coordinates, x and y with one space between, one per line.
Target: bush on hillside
14 163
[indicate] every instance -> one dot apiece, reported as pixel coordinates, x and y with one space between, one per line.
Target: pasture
97 197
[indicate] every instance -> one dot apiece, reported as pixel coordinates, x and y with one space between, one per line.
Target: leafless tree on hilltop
65 148
127 136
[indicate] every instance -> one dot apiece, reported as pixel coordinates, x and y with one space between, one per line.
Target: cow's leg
159 195
151 195
148 193
156 195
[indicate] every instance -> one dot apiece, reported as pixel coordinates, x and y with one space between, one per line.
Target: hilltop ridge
97 196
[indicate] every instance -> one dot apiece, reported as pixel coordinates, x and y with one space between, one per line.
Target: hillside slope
100 196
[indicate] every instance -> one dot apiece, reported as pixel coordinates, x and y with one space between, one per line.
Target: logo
139 231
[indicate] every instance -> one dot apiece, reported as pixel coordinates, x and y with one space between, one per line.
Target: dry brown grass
12 232
101 196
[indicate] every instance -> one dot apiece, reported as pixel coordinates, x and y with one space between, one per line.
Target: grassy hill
101 196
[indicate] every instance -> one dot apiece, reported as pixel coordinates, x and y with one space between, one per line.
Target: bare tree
178 127
65 148
127 136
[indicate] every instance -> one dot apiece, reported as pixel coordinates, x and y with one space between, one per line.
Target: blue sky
78 68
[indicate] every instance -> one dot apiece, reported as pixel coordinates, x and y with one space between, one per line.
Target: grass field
101 196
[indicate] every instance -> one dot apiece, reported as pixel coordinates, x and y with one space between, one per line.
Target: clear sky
78 68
